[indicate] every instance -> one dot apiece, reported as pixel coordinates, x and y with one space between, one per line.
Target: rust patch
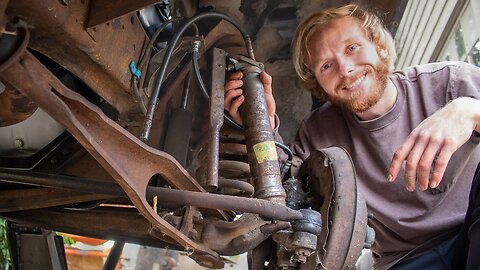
14 107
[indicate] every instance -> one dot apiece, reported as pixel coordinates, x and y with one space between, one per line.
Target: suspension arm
130 162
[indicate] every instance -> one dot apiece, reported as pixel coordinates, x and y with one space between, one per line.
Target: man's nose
345 67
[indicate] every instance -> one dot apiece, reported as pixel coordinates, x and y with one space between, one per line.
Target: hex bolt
302 255
19 143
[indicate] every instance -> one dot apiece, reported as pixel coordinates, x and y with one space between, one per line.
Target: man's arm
430 146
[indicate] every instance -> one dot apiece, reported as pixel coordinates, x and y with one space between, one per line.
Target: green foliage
68 241
4 254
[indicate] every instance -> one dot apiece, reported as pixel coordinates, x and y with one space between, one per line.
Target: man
413 136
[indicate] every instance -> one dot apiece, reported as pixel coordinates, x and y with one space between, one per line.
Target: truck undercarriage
112 126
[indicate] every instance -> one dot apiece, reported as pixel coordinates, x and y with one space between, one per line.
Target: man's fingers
425 163
233 84
236 103
267 82
230 96
236 76
440 165
412 162
400 155
234 113
233 95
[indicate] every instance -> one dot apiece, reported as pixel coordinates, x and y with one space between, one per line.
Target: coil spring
233 167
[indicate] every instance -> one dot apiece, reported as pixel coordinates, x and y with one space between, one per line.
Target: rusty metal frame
100 57
216 115
113 147
118 226
225 237
169 197
37 198
102 11
106 141
78 35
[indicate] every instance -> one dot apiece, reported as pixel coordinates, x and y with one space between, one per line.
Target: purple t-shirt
405 223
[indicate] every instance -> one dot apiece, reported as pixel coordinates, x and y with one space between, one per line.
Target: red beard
358 104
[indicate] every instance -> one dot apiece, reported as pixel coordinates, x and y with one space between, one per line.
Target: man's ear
382 52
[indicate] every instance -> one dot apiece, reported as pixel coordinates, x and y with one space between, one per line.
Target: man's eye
352 47
326 66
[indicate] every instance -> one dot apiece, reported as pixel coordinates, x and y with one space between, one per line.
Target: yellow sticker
265 151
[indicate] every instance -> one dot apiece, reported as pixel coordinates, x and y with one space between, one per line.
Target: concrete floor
135 257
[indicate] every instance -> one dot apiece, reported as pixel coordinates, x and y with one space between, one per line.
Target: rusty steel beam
99 57
102 11
28 199
237 237
264 208
227 238
118 226
216 115
129 161
167 196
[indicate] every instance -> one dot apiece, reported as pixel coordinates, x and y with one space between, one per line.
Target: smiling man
412 135
349 69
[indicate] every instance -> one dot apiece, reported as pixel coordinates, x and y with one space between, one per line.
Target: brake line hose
168 54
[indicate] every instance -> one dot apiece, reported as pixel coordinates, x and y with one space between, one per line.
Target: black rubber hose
168 54
196 70
288 162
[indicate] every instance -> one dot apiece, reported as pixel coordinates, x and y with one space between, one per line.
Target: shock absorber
262 154
259 139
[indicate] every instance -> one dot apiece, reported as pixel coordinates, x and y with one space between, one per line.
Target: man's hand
234 97
430 146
